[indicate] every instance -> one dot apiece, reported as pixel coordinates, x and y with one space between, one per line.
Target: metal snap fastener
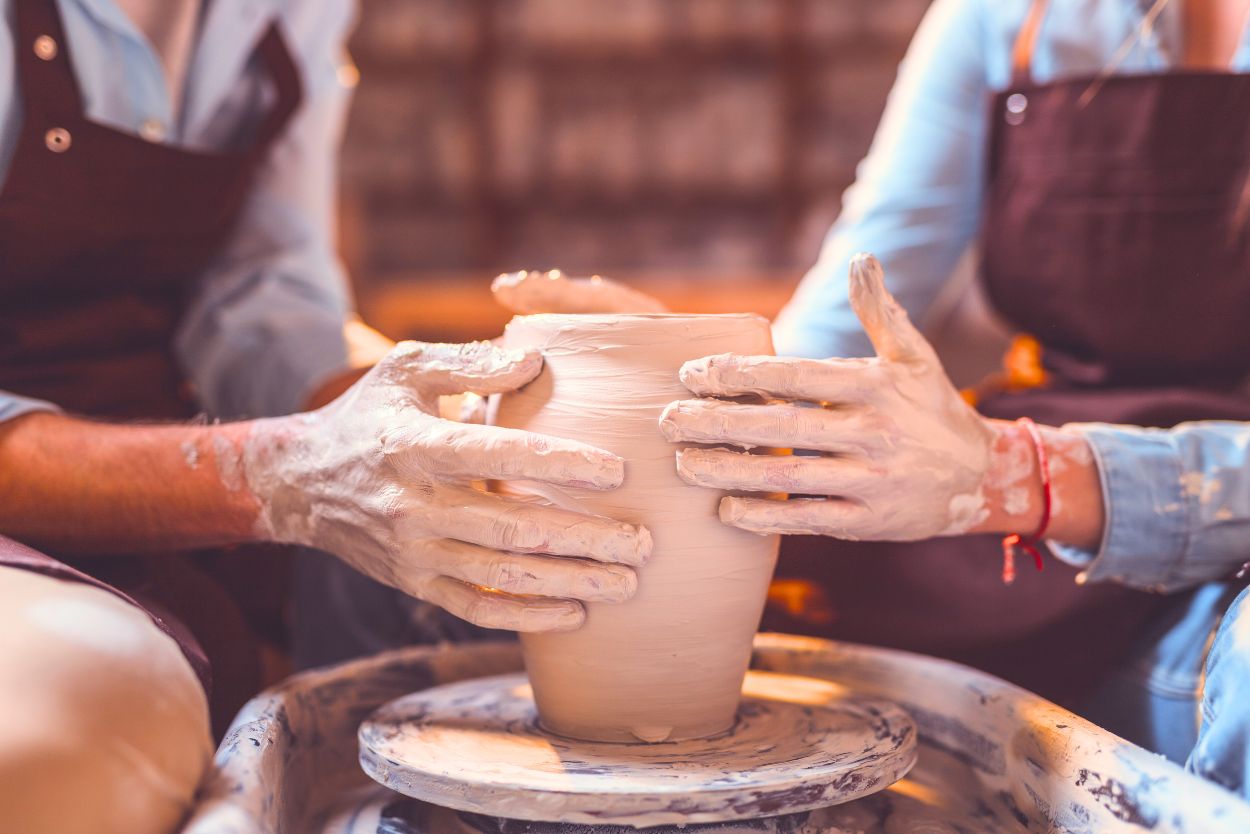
58 140
45 47
152 130
1017 103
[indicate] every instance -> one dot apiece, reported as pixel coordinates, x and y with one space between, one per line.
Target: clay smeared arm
380 480
903 457
72 485
376 477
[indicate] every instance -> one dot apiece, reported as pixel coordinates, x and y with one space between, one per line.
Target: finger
480 367
778 425
505 524
456 450
555 292
813 380
794 516
889 329
725 469
494 609
520 573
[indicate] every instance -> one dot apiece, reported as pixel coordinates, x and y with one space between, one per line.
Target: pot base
797 744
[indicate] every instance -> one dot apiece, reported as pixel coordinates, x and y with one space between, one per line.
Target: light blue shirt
917 199
266 322
917 205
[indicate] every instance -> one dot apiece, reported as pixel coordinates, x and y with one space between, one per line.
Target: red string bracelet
1030 544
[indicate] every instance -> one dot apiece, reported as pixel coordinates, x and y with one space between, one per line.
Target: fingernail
570 619
694 372
645 545
631 547
612 470
683 465
669 421
731 510
550 615
622 585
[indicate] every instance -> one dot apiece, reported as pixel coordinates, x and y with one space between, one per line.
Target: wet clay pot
669 663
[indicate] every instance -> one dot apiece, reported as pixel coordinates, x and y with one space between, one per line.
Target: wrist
1014 492
221 449
1013 489
269 451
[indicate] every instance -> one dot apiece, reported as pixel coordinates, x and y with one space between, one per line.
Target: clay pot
669 663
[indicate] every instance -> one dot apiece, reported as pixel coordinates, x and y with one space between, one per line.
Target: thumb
526 293
477 367
893 335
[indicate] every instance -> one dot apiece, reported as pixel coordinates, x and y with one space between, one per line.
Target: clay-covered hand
378 479
527 293
902 456
554 292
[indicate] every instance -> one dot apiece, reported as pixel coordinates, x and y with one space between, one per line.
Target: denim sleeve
265 326
916 201
14 405
1177 504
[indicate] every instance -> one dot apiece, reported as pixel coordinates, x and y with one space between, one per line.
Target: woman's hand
380 480
901 455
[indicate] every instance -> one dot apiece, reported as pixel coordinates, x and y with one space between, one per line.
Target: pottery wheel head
797 744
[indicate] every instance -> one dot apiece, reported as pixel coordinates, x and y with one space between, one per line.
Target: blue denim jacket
1178 521
1178 504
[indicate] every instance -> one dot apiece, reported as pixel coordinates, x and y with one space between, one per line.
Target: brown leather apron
1115 232
102 238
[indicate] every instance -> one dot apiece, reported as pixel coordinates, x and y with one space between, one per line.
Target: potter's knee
103 724
1222 753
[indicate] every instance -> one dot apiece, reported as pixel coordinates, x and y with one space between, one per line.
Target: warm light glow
802 599
921 793
348 73
792 689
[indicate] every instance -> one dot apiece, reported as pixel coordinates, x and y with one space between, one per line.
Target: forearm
73 485
1014 492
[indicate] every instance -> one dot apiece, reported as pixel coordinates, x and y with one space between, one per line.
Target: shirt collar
108 14
227 38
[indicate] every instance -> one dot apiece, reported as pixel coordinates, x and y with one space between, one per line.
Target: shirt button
45 47
58 140
1017 103
152 130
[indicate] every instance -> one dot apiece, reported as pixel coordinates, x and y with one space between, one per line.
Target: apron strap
1022 51
48 81
46 71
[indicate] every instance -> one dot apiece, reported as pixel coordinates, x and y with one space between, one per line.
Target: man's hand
554 292
380 480
903 457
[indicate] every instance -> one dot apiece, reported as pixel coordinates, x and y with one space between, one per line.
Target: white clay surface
797 744
103 723
669 662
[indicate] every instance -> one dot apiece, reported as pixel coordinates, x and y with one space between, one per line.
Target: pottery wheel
797 744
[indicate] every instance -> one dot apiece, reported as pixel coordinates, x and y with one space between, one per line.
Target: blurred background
695 148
